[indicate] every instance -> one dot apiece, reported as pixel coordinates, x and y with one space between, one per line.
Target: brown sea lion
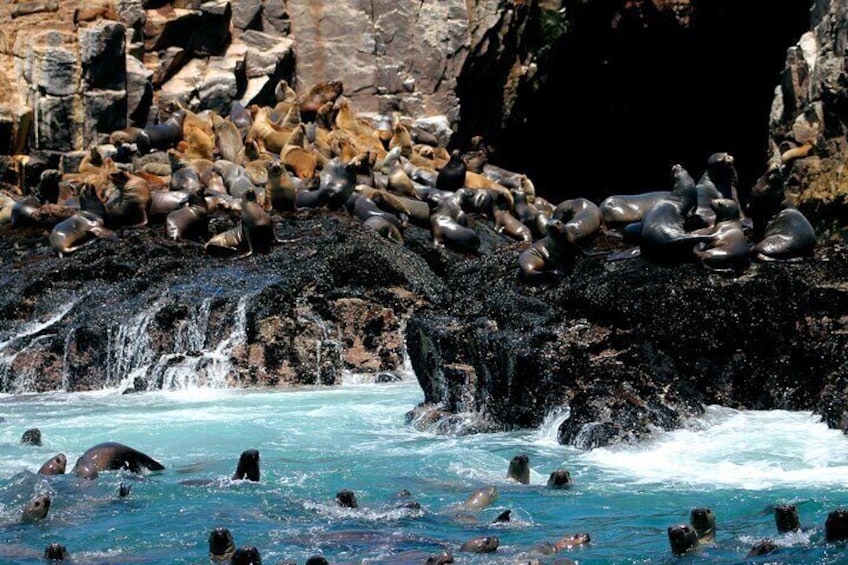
31 436
763 547
481 498
623 209
189 222
346 499
728 249
129 205
704 523
221 545
488 544
402 139
550 254
256 227
569 542
163 202
163 136
37 509
111 456
449 226
280 192
199 144
384 227
54 466
519 469
320 94
560 479
81 229
232 239
452 175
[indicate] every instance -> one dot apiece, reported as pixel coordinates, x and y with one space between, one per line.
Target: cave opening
628 90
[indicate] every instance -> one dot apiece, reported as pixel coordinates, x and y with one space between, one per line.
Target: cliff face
808 120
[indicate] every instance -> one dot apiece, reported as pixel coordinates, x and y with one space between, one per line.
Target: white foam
726 448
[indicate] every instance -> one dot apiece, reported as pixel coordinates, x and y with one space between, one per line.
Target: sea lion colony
683 538
259 164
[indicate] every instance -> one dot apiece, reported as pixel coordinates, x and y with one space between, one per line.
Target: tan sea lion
129 205
320 94
232 239
481 498
550 254
81 229
402 139
569 542
56 465
280 191
256 227
488 544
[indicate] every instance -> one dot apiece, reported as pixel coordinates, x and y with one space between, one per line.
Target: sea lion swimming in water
54 466
519 469
481 498
221 545
111 456
37 509
248 466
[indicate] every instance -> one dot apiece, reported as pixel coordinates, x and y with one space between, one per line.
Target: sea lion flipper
148 462
104 233
631 253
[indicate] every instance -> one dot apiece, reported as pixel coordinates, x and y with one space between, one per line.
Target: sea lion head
247 555
249 195
56 552
703 521
786 518
519 469
221 545
274 168
346 499
725 209
682 539
248 463
37 509
559 232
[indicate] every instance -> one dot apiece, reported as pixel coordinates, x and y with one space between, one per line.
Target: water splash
548 432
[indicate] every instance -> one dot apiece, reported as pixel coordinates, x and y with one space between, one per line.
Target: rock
267 55
275 17
57 125
102 53
212 34
15 124
246 14
132 13
139 91
55 70
170 28
105 112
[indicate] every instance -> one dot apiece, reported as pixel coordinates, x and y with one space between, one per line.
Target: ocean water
315 442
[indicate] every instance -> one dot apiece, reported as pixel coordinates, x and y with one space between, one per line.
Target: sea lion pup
786 518
221 545
449 225
190 221
247 555
487 544
37 509
550 254
836 526
56 552
31 436
402 139
729 248
280 191
56 465
519 469
163 136
682 539
704 523
452 176
560 479
81 229
664 238
129 205
481 498
111 456
506 223
346 499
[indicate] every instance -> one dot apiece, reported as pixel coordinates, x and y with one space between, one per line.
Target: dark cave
623 103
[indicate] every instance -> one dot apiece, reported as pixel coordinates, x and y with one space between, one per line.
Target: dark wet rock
632 347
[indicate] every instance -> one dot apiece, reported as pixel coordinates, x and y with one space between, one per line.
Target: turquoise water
315 442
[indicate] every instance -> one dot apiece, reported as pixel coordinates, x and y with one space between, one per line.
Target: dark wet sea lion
452 175
111 456
221 545
505 222
560 478
519 469
763 547
162 136
384 227
768 199
31 437
552 253
626 209
247 555
836 526
786 518
682 539
25 211
481 498
78 231
337 181
185 179
56 465
346 499
728 248
440 558
56 552
37 509
316 560
582 218
189 222
48 186
248 466
129 205
232 239
163 202
124 490
256 226
704 523
503 517
487 544
789 236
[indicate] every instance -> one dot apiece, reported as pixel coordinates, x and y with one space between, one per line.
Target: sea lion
320 94
448 225
622 209
452 175
129 205
47 190
85 469
729 248
721 173
124 490
346 499
228 139
704 523
768 199
550 254
664 238
682 539
763 547
789 236
31 437
163 202
786 518
247 555
519 469
481 498
400 183
337 181
163 136
197 143
572 541
836 526
221 545
25 212
54 466
505 222
582 218
235 178
280 192
89 200
248 466
316 560
440 558
37 509
503 517
487 544
111 456
402 139
189 222
560 479
256 226
56 552
240 117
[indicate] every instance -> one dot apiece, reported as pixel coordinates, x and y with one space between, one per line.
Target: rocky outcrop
630 347
148 313
808 119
